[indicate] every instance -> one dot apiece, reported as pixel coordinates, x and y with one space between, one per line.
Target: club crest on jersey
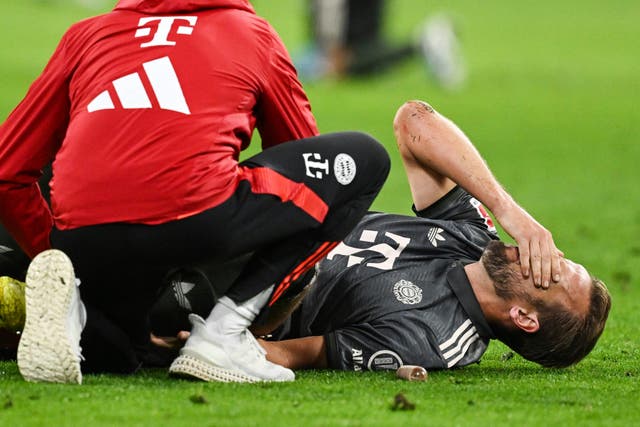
164 25
344 168
315 166
407 293
434 235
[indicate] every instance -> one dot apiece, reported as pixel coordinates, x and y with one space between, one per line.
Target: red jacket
144 111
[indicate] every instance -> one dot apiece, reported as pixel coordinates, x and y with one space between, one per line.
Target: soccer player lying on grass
433 290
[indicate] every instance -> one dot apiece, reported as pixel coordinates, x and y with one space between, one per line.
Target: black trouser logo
315 168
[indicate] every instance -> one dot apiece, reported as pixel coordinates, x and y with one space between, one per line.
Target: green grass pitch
551 102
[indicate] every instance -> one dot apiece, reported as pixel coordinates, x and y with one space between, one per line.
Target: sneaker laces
255 344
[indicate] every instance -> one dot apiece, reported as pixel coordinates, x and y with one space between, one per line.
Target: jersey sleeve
28 140
458 205
385 344
284 113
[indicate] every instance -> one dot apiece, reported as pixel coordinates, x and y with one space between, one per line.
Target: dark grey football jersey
395 292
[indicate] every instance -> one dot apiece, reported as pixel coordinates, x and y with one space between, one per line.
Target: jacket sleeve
29 139
284 113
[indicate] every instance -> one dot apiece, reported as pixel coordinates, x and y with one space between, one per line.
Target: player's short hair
564 337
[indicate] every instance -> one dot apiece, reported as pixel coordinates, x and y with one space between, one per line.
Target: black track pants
294 203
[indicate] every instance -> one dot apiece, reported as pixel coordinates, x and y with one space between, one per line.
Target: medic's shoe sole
49 346
191 366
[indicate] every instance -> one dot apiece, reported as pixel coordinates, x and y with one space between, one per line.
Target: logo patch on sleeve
384 360
344 168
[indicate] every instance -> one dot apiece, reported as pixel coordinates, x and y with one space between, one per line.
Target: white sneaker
223 349
49 349
441 51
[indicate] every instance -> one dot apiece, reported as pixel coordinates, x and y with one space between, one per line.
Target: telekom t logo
163 30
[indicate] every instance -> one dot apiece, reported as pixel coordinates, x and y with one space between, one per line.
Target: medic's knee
373 157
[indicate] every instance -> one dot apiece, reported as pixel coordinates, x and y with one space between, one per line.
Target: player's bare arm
298 353
437 155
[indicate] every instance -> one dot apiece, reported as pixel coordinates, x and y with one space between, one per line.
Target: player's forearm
437 155
299 353
433 146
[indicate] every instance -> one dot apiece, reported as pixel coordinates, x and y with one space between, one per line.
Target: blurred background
550 98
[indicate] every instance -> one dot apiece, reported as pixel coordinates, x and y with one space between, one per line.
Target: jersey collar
458 281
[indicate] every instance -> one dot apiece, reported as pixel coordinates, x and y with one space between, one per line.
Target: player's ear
525 319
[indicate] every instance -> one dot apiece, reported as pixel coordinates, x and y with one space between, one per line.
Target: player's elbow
410 111
411 124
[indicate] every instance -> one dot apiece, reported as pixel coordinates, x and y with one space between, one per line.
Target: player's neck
493 307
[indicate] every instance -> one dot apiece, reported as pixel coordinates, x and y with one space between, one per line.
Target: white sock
229 318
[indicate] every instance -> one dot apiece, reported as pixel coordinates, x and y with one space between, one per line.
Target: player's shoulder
399 223
385 218
100 27
87 24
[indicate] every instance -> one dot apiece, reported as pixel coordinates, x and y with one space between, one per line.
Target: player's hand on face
539 256
540 259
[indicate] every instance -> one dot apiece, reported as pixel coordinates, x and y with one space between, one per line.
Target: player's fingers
536 269
546 264
523 250
162 342
555 265
174 343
